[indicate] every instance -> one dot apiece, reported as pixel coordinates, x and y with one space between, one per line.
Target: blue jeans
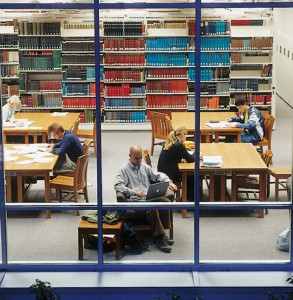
246 137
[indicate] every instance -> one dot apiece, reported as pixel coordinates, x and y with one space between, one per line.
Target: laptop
155 191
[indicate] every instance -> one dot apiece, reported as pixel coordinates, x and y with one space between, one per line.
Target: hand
50 148
228 120
19 124
140 194
233 125
172 186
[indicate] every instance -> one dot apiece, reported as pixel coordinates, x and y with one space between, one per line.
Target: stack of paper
212 161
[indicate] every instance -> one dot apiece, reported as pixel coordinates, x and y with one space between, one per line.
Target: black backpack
132 240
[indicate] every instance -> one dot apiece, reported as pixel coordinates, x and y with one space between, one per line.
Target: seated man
68 149
133 180
251 119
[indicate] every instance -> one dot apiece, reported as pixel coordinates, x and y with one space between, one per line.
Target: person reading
68 148
134 179
8 112
251 120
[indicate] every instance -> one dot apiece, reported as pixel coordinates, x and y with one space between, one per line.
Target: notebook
155 191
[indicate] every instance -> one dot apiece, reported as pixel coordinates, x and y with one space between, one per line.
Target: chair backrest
269 121
267 157
161 125
80 173
75 126
147 157
86 145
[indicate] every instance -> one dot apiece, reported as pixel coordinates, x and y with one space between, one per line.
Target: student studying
8 111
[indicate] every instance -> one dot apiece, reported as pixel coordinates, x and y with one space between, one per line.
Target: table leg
276 188
223 188
212 187
216 138
47 193
262 191
44 138
4 138
208 138
117 245
238 137
8 189
234 189
26 138
35 137
184 192
80 245
19 188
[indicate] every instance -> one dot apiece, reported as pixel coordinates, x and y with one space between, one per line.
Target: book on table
212 161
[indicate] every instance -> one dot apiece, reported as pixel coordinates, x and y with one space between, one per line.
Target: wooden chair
269 121
75 126
147 157
72 184
280 175
89 134
161 127
250 184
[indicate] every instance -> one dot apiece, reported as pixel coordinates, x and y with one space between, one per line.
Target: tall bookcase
40 65
9 60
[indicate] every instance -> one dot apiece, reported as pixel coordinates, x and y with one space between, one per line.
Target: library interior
208 107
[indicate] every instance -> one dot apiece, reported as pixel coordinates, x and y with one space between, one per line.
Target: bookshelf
40 65
9 60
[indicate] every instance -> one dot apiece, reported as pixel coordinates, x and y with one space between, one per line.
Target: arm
121 182
63 148
251 123
184 154
57 145
161 177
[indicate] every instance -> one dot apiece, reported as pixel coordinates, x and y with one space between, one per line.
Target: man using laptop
133 180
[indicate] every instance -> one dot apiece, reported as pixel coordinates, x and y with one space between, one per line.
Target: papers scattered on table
44 160
10 158
25 162
59 114
218 125
212 161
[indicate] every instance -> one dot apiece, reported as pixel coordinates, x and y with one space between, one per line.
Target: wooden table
187 119
20 171
86 228
40 126
239 158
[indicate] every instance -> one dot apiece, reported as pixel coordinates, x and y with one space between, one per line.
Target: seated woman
8 111
172 153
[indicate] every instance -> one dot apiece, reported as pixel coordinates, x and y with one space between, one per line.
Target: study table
40 126
187 119
238 158
35 168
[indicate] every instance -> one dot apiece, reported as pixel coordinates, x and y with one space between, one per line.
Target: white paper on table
10 158
218 125
25 162
59 114
44 159
8 152
36 155
212 161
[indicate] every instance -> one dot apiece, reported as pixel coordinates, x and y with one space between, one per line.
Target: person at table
251 120
8 111
68 148
134 179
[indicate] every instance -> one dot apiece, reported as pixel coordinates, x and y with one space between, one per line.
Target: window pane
32 238
241 236
47 1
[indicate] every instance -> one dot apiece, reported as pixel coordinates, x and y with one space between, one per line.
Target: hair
55 128
239 102
14 100
173 136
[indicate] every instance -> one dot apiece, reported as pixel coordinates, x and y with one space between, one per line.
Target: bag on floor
283 240
133 240
108 243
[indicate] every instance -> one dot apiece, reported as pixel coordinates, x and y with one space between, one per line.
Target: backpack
132 240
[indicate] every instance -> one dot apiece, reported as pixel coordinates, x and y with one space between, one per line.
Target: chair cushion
62 180
280 171
85 133
264 142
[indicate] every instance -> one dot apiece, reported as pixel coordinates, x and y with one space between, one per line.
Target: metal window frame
197 207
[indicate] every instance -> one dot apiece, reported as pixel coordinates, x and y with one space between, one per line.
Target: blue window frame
197 207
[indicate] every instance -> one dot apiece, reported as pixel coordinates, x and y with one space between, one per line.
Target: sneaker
168 241
162 245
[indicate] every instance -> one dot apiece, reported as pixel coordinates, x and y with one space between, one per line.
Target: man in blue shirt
68 149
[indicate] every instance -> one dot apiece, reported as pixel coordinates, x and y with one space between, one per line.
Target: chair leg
75 194
268 185
95 147
85 194
153 145
171 229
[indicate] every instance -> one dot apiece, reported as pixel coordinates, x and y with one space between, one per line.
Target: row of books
9 56
214 59
166 86
84 46
252 44
88 116
244 85
247 23
8 41
214 27
169 44
44 62
123 28
251 99
124 60
42 100
214 88
125 117
215 43
124 90
267 71
39 28
72 59
125 103
13 23
40 85
9 70
123 75
78 89
101 73
211 74
162 101
79 25
167 73
76 102
80 73
166 24
124 44
157 59
191 28
39 42
9 89
245 57
209 103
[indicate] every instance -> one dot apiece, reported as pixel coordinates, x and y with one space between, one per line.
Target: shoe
168 241
31 180
162 245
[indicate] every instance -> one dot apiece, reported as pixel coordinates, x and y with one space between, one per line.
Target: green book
56 59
